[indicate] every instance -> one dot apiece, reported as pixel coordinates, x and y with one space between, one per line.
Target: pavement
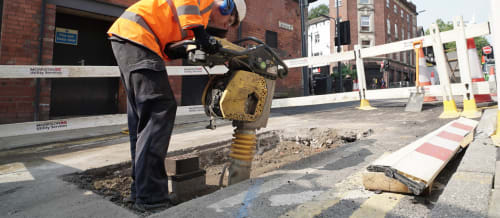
324 185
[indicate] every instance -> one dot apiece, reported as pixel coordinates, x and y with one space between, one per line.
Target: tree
445 26
345 70
442 28
317 11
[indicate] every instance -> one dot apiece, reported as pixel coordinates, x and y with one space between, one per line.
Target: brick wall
258 20
20 45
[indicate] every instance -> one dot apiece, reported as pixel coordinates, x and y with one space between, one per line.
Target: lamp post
337 33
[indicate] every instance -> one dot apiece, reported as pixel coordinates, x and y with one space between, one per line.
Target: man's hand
207 42
176 52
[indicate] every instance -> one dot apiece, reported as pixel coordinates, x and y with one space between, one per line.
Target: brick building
24 100
377 22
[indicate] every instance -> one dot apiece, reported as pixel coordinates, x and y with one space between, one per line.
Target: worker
139 38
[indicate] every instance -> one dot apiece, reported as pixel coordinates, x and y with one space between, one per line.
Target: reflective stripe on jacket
156 23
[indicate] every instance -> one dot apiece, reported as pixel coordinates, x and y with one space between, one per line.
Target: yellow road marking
377 205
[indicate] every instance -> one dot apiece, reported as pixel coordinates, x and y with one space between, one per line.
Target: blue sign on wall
66 36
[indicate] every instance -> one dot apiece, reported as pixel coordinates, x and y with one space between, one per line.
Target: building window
272 39
395 9
408 35
316 38
387 3
402 34
365 23
388 26
396 30
402 14
338 3
363 1
408 18
365 43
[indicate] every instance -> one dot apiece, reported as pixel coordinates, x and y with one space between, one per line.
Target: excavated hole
274 150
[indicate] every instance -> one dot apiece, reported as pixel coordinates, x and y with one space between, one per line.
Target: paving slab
479 157
487 125
494 210
496 185
467 194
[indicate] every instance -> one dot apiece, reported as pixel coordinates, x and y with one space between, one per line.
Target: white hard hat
241 7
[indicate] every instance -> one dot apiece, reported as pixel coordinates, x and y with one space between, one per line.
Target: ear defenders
227 7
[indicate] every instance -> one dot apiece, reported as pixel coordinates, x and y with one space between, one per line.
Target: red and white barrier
417 164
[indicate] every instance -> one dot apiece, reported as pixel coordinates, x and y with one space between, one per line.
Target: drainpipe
40 62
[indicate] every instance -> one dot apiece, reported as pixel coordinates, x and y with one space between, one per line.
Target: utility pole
305 75
337 30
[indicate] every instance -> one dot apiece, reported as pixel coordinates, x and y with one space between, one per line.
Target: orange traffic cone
491 76
475 70
355 86
424 75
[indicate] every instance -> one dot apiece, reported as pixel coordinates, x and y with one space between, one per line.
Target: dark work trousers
151 110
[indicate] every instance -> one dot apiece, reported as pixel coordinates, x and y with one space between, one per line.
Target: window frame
338 3
396 31
268 39
367 25
388 26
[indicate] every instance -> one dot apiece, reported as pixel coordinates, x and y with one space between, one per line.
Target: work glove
176 52
207 42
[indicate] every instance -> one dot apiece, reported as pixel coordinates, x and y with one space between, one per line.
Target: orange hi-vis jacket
156 23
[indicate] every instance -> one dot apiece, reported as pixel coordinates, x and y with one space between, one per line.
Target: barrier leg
449 110
467 65
360 69
449 106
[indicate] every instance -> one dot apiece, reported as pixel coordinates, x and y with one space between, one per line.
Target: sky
444 9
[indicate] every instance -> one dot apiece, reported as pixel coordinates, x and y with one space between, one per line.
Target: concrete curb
467 194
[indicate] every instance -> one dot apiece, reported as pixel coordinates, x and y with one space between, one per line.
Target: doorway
83 42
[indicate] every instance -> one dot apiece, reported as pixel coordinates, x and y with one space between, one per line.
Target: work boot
129 200
149 207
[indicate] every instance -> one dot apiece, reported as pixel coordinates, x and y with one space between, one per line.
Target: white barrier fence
15 71
27 128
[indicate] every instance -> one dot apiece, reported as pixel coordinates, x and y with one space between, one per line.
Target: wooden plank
378 181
